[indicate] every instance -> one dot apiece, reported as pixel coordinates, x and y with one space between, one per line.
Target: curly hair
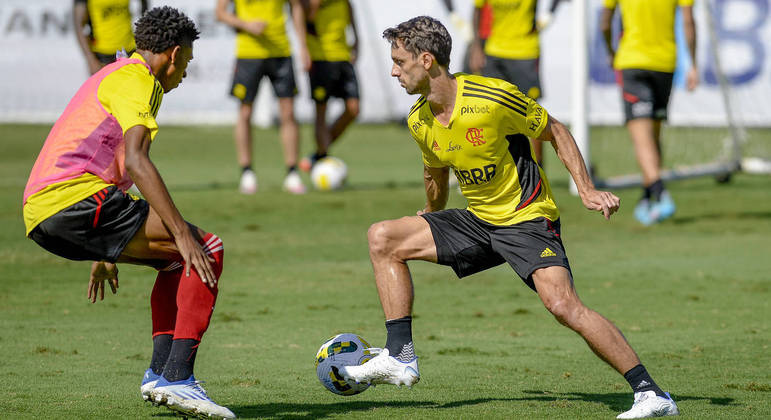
164 27
422 34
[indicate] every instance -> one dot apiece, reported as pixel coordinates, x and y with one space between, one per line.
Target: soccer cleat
648 404
248 184
383 369
148 383
188 398
662 209
642 212
294 184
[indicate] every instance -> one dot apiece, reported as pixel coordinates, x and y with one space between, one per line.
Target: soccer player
76 205
645 59
512 50
262 49
332 73
110 30
479 127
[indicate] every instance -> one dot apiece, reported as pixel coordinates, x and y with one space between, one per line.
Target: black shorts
522 73
95 229
645 93
106 59
249 72
333 79
470 245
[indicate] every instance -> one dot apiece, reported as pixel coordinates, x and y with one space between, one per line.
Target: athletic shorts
522 73
645 93
249 72
95 229
106 59
470 245
333 79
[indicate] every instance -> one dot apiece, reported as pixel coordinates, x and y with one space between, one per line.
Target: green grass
691 295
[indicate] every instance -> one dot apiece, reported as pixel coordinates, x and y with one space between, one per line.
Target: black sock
181 359
656 189
646 193
246 168
641 381
399 339
318 156
161 350
289 169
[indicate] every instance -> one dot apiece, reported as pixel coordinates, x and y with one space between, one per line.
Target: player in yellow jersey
263 50
76 205
479 127
332 73
646 59
109 24
512 50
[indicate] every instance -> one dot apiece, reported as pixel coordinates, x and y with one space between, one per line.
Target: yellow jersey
648 39
111 26
486 144
513 34
273 42
329 42
130 95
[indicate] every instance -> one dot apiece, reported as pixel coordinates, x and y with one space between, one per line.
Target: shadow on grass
616 402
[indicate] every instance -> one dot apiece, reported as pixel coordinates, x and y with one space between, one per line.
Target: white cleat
648 404
294 184
188 398
383 369
148 383
248 184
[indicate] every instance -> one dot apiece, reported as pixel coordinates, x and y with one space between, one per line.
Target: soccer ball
342 350
329 174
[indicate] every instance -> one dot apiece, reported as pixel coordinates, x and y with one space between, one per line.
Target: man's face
408 69
177 70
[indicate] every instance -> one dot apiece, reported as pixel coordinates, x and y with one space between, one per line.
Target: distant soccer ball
328 174
341 350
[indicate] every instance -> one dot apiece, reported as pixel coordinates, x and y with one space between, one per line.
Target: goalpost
716 148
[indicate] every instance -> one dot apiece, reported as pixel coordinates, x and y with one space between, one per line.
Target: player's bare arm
606 19
298 19
145 175
355 46
79 19
436 181
477 57
254 27
689 28
567 150
101 271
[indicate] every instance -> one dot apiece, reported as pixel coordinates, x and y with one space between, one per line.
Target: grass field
691 295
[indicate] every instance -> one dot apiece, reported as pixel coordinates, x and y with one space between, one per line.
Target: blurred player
332 73
646 60
109 22
263 50
512 50
479 127
76 206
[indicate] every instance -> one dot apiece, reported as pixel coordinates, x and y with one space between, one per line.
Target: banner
43 66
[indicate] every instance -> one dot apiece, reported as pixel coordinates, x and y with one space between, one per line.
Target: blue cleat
148 383
188 398
662 209
642 212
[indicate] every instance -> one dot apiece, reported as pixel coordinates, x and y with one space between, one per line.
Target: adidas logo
642 384
435 146
548 253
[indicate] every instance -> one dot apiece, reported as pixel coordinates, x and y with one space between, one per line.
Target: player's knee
352 109
565 311
380 238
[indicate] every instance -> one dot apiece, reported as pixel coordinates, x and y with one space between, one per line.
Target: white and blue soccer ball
342 350
329 173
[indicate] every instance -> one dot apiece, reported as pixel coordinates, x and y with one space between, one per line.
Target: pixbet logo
475 109
474 136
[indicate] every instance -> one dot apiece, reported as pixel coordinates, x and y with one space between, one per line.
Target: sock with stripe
399 339
641 381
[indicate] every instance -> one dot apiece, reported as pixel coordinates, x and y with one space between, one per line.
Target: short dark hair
422 34
164 27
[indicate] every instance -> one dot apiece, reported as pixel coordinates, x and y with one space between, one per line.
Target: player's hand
193 254
602 201
543 21
101 271
255 27
692 78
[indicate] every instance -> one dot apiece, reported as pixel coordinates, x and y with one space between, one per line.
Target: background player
109 24
511 216
332 73
646 59
263 50
512 50
76 206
